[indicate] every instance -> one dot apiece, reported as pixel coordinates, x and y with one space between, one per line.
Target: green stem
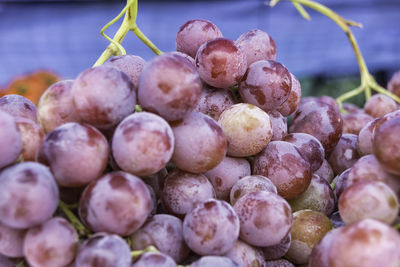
397 226
137 253
80 228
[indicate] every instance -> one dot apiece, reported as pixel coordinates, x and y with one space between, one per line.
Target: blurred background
42 41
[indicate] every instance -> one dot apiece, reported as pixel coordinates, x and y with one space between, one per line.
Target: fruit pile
188 159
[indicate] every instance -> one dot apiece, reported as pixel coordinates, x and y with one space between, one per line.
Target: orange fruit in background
31 85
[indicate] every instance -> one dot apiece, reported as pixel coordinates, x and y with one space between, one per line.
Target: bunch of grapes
188 159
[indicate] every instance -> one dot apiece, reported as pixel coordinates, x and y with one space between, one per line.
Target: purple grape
366 137
319 254
247 128
117 202
341 182
103 250
193 34
265 218
200 143
266 84
18 106
325 171
351 108
293 101
156 181
211 228
221 63
28 195
345 153
245 255
257 45
10 140
169 86
131 65
248 184
219 261
183 191
53 243
354 122
154 259
279 125
143 144
379 105
279 250
394 84
56 106
32 137
103 96
77 153
11 241
165 233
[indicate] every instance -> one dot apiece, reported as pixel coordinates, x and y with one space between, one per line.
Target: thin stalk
80 228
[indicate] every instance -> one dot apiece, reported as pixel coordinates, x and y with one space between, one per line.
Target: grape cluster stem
368 82
128 24
79 227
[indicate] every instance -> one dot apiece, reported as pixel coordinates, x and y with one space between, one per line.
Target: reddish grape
325 171
32 137
319 254
11 241
351 108
165 233
103 96
366 137
193 34
257 45
394 84
293 101
183 191
77 153
345 153
226 174
265 218
245 255
143 143
131 65
219 261
279 250
18 106
53 243
282 163
10 140
28 195
56 106
169 86
341 182
279 125
221 63
379 105
354 122
154 259
117 202
211 228
200 143
266 84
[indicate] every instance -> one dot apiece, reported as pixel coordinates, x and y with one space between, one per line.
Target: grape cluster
189 159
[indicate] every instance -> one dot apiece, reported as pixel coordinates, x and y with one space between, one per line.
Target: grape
325 171
103 96
257 45
189 58
211 228
11 241
266 84
131 65
10 140
56 106
394 84
117 202
336 219
103 250
293 101
28 195
279 263
226 174
143 143
183 191
345 153
279 250
214 101
351 108
221 63
208 261
247 128
6 262
368 199
319 197
366 137
282 163
319 119
368 243
354 122
169 86
245 255
200 143
279 125
193 34
379 105
308 229
154 259
77 153
18 106
329 100
165 233
32 136
265 218
53 243
386 145
319 254
156 181
309 147
341 182
368 168
252 183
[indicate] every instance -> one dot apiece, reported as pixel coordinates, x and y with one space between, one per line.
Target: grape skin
11 241
18 106
279 250
325 171
293 101
10 140
251 183
379 105
220 261
154 259
32 137
345 153
353 123
245 255
394 84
